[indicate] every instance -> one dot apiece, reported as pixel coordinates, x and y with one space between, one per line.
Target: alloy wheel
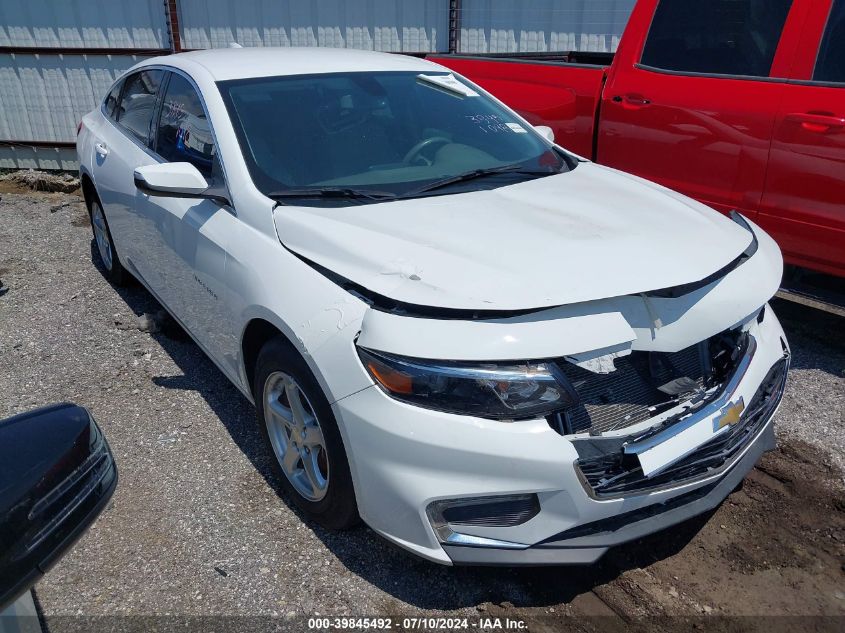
296 436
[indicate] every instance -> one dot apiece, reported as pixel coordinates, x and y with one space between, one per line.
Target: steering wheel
416 151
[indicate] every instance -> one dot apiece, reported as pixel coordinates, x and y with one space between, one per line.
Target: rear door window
184 134
723 37
138 102
830 64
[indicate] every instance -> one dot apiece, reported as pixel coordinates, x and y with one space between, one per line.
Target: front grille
627 396
617 473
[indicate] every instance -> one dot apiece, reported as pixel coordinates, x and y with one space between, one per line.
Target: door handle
817 122
102 150
632 100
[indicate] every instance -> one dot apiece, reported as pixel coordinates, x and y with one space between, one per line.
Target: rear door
804 200
691 100
120 145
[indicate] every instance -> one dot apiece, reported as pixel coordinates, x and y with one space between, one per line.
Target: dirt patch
776 545
7 186
80 216
24 181
9 266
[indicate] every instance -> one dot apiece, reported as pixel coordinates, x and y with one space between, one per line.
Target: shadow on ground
397 573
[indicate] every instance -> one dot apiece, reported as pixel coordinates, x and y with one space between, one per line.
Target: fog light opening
448 515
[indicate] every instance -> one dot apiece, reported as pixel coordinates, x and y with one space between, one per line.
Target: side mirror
177 180
56 475
546 132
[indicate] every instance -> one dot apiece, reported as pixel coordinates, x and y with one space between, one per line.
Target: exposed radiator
626 396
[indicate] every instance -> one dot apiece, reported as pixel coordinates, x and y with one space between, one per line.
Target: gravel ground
197 526
814 407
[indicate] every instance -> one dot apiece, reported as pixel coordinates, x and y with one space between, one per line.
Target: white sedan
489 349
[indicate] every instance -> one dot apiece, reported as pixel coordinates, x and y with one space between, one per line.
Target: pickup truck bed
560 94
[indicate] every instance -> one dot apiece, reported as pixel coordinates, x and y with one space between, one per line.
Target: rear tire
302 435
104 245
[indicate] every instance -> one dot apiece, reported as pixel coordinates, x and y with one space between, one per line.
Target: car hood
584 235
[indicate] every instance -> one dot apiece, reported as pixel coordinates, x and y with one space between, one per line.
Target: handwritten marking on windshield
492 124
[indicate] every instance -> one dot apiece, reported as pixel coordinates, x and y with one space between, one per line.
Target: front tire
300 431
113 269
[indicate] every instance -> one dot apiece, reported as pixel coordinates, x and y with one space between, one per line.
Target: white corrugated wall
43 96
508 26
83 23
418 26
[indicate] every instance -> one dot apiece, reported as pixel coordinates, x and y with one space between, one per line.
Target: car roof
244 63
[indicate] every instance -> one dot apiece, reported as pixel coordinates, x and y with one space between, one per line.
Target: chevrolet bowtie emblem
729 415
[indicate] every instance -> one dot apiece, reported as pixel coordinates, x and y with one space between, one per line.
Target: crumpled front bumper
587 543
404 458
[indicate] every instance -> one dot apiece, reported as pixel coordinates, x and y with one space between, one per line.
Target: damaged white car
488 349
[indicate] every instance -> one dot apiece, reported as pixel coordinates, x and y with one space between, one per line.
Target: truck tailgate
562 95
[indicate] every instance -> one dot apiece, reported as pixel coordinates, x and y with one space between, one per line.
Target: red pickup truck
737 103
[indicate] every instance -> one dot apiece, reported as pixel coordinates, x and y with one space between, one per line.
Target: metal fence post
454 25
171 12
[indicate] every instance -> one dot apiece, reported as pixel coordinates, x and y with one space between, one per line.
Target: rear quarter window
722 37
137 104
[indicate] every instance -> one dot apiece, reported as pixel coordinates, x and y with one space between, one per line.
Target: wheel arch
261 325
256 334
89 191
259 329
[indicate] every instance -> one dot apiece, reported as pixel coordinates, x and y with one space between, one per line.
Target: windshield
375 135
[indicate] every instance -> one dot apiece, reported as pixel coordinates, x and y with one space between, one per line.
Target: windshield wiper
472 175
329 192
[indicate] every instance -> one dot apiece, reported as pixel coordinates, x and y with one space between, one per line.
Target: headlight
502 391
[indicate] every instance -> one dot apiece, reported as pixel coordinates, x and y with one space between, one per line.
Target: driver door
186 239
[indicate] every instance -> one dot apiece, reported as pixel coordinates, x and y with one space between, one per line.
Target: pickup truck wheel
114 270
301 432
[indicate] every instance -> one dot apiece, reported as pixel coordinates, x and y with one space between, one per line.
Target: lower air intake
498 511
